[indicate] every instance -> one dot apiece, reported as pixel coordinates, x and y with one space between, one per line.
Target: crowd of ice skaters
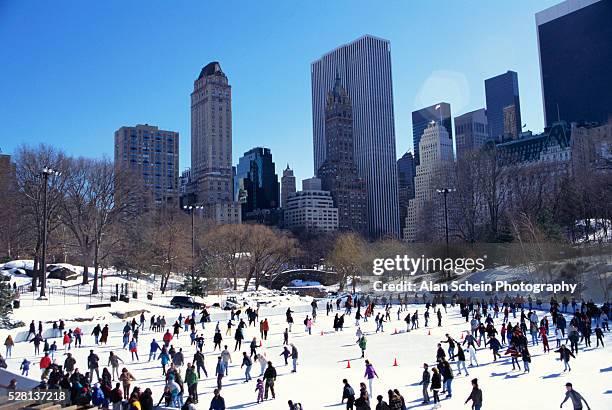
508 328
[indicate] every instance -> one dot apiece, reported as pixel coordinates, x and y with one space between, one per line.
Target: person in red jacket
544 336
66 341
45 362
514 354
266 329
167 338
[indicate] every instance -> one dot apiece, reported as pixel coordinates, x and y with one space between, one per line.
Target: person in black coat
146 400
425 379
436 385
348 394
269 377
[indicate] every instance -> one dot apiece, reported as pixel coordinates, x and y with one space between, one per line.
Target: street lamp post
191 209
46 171
445 192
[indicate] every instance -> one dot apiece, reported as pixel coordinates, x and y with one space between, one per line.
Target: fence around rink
80 294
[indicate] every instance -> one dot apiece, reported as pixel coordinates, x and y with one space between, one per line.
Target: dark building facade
405 177
503 106
256 183
423 117
471 132
575 48
338 173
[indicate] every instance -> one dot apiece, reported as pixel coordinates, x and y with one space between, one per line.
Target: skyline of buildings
364 68
352 153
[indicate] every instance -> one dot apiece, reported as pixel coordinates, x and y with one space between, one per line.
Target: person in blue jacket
25 367
97 397
164 357
153 349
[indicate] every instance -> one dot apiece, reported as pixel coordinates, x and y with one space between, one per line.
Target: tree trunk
248 280
94 289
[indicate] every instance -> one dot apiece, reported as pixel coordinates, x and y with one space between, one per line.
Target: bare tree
346 258
29 165
269 251
470 200
169 243
227 244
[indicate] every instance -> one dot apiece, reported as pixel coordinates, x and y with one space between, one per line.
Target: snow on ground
323 365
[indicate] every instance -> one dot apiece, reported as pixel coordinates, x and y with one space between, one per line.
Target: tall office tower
287 185
338 173
421 119
256 183
364 67
575 59
152 155
405 182
502 91
471 131
211 143
425 217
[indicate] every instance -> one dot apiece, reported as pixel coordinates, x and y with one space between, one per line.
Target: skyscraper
502 91
425 216
575 49
405 177
364 67
211 142
152 155
471 131
423 117
256 183
338 173
287 185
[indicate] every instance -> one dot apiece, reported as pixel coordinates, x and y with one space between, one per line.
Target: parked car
229 305
185 302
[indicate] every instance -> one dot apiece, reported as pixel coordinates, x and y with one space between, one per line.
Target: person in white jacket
558 337
472 351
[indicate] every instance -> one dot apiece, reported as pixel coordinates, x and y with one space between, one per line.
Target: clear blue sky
72 72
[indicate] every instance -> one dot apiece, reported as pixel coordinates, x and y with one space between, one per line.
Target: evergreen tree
6 304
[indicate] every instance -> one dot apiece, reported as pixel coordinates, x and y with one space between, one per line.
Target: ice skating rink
323 360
